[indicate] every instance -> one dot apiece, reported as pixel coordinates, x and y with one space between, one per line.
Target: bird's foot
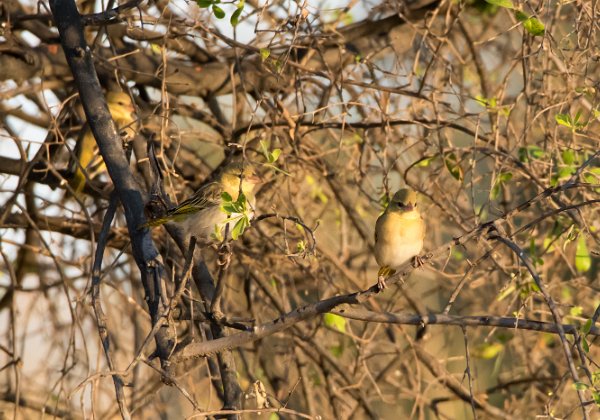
417 261
224 253
381 283
382 275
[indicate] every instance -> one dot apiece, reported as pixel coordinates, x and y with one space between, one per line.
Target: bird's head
404 200
236 173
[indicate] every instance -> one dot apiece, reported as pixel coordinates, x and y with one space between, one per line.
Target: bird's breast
399 239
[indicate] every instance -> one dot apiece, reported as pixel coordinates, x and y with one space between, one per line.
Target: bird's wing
85 151
208 195
378 223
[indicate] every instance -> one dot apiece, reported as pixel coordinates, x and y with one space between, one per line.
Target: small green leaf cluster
264 54
492 105
501 179
220 13
566 166
237 211
453 166
531 24
583 259
529 153
271 156
573 123
316 192
582 386
335 321
566 163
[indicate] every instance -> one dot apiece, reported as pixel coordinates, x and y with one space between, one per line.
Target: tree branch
79 57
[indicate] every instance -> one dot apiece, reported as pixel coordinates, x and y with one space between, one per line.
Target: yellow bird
122 111
208 211
399 234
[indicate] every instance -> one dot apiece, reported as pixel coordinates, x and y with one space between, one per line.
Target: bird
399 234
215 205
88 156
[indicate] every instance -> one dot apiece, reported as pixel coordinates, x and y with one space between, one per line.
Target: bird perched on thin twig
88 155
216 207
399 234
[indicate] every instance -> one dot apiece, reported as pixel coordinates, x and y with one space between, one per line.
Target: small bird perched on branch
216 205
88 155
399 234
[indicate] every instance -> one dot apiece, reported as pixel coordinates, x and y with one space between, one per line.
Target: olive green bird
202 214
399 234
88 155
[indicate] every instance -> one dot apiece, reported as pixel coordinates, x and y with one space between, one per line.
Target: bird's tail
155 222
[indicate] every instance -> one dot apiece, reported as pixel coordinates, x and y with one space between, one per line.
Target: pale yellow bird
208 211
399 234
123 112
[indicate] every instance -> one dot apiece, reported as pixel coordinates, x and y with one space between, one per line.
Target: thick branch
458 320
79 57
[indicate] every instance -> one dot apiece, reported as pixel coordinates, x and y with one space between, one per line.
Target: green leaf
219 13
585 345
235 17
508 4
335 321
505 293
228 208
587 327
225 196
566 172
264 53
580 386
274 155
495 191
568 156
242 200
457 254
498 184
534 26
453 167
592 175
505 176
595 377
426 161
337 351
239 228
274 416
576 311
521 17
488 350
583 261
487 102
564 119
203 4
596 397
525 153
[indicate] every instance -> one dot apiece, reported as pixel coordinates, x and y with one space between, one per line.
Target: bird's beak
253 179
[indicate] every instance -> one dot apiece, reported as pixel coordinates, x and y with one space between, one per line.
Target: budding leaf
583 261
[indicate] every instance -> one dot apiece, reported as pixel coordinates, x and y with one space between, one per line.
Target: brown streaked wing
207 196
